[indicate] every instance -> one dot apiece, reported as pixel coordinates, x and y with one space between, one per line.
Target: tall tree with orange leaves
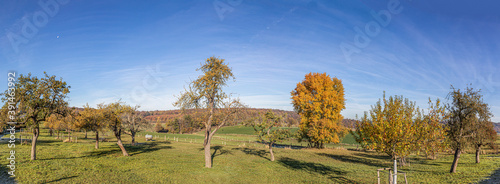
318 99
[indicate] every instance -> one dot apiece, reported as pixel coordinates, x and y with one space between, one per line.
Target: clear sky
144 52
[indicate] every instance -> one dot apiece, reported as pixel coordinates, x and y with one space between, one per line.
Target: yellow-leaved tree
389 127
318 99
206 93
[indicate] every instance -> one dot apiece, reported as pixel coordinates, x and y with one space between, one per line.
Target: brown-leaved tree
467 113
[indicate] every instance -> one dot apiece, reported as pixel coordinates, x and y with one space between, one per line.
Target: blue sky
145 52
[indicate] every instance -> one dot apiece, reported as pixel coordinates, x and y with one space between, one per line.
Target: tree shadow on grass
493 178
4 176
146 148
42 142
410 160
61 179
221 152
359 159
311 167
218 149
111 150
131 150
256 152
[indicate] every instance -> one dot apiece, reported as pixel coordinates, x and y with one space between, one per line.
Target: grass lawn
170 161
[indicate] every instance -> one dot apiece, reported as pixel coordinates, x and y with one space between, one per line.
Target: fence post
390 176
395 171
378 176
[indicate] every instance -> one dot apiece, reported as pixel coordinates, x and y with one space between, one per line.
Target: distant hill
164 116
497 127
292 120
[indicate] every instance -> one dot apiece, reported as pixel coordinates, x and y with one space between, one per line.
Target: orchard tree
467 113
268 131
55 123
132 121
112 114
69 122
318 99
4 116
388 128
431 132
158 127
485 135
91 119
484 132
36 99
206 93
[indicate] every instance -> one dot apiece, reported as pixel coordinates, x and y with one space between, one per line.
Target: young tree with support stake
268 131
206 93
389 127
36 99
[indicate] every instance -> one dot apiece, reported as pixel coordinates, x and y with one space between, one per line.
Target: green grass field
237 161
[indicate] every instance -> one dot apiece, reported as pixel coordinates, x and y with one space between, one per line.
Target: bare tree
132 121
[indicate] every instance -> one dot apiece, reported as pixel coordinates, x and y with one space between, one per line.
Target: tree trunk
132 134
180 127
206 144
208 157
402 161
96 139
57 135
455 161
36 133
271 151
478 150
50 132
119 142
85 134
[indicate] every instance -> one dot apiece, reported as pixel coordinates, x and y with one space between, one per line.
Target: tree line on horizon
394 125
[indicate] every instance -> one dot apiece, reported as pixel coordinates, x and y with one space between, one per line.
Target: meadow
237 158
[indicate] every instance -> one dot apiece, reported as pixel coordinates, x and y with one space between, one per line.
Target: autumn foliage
431 132
469 122
268 130
388 127
318 99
